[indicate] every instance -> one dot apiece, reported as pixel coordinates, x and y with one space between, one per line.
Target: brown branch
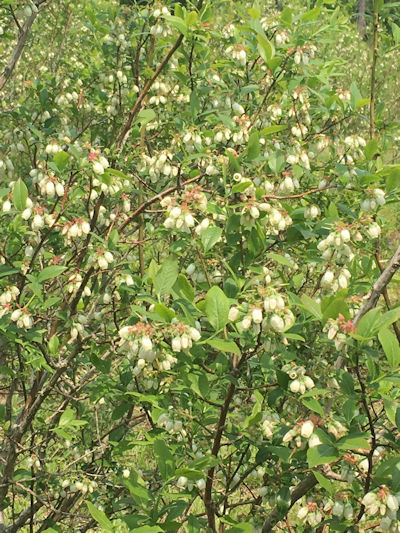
373 73
155 198
5 76
122 138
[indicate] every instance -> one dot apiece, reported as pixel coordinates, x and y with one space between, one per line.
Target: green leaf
164 312
387 318
286 17
166 276
183 288
269 130
347 383
314 405
397 418
146 529
280 259
217 308
100 517
311 15
322 454
311 306
191 18
371 149
324 482
224 346
390 346
177 23
265 48
146 116
165 460
210 237
244 527
353 441
20 195
367 326
53 345
49 272
61 159
194 103
253 148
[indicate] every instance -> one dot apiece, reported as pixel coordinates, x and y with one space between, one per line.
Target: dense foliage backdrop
198 228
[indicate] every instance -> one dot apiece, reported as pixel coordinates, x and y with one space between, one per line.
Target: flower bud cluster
99 162
53 148
75 229
304 53
299 381
269 422
85 487
275 112
376 199
74 283
159 29
282 37
310 514
23 318
311 212
303 429
50 186
335 246
385 504
183 336
272 316
157 166
171 424
102 258
163 92
343 510
181 210
238 53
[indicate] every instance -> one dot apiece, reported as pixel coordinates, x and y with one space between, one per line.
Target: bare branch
18 50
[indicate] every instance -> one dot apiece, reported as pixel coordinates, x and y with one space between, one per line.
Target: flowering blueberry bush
197 330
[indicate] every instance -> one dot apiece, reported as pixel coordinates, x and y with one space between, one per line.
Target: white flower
182 482
176 344
391 502
345 235
233 314
246 322
308 382
257 316
338 509
26 213
6 206
98 168
59 189
313 441
307 429
201 484
37 222
126 473
302 512
295 385
147 345
374 230
189 220
195 334
277 323
175 212
15 315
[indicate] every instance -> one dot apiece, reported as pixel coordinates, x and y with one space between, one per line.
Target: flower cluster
238 53
75 229
299 381
385 504
181 210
